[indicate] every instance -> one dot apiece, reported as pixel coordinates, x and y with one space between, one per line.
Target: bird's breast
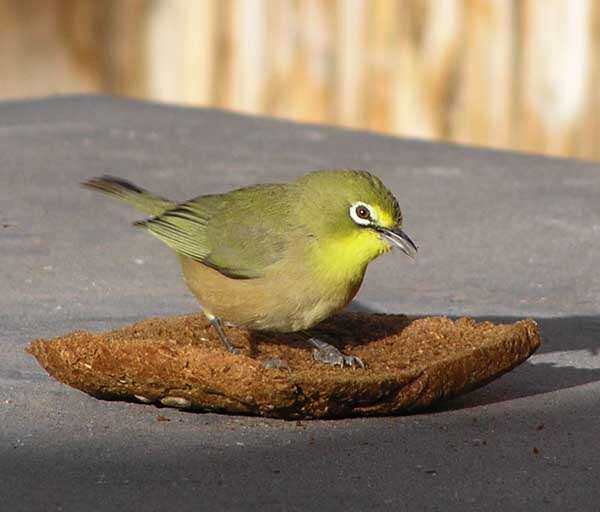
308 284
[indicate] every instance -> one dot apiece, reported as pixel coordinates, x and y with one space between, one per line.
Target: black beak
400 239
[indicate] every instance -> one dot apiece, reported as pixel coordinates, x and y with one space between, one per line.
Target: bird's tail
131 194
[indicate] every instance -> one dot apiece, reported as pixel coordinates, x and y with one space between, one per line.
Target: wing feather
239 234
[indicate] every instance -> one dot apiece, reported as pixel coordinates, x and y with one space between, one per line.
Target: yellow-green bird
276 257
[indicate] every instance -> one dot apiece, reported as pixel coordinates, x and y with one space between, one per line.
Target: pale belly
286 301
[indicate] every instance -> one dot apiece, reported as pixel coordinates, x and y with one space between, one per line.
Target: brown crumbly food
180 362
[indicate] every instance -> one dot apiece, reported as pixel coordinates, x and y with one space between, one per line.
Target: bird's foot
328 354
275 363
218 326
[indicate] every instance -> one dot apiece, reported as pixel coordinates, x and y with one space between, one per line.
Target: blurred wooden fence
521 74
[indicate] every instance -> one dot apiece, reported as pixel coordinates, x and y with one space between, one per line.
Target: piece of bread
180 362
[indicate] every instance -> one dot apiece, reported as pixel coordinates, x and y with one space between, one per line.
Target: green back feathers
239 233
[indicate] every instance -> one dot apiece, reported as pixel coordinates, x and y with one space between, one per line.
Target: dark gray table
501 235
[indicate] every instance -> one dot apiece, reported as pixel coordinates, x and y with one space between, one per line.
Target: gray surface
501 235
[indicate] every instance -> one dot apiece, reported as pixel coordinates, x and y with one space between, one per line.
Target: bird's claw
275 363
354 361
328 354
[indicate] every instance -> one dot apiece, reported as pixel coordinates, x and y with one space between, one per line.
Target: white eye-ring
362 214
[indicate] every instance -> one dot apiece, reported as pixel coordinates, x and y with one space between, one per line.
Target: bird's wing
239 234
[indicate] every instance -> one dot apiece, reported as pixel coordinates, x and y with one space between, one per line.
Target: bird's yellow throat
347 256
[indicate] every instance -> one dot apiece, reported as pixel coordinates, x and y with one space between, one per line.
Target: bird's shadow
339 330
559 335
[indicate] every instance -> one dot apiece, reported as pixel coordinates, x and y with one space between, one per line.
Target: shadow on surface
579 336
569 356
348 328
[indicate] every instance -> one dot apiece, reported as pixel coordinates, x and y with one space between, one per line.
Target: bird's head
353 213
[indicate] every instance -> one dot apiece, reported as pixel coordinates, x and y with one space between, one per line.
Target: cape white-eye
276 257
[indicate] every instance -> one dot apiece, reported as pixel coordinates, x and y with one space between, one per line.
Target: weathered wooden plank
514 74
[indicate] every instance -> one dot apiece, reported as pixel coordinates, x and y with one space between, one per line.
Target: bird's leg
273 363
328 354
218 326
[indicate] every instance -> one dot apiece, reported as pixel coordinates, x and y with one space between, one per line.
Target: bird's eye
362 212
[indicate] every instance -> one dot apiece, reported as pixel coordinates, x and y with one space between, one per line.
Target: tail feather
130 193
113 185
